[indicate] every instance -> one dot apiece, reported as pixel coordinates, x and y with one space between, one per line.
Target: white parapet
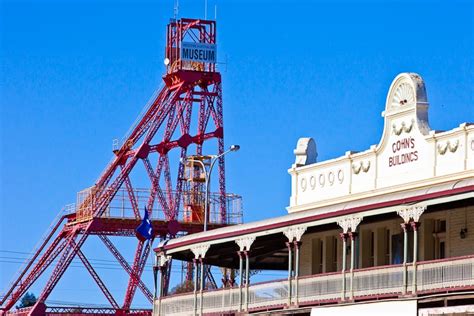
409 155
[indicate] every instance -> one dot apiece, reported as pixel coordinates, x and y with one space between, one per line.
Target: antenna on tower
205 9
215 12
176 9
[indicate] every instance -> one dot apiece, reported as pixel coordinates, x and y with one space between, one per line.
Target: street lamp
207 174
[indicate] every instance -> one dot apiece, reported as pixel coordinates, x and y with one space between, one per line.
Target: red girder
131 196
135 270
184 89
156 190
141 256
97 279
126 266
65 259
32 259
46 259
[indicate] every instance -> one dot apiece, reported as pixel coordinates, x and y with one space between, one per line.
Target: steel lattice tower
184 114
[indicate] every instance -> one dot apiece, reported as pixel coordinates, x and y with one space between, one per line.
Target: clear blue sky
74 75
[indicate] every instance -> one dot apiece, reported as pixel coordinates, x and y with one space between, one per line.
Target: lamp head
234 148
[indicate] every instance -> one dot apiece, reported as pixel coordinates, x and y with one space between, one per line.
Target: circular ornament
322 180
340 175
331 178
312 182
303 184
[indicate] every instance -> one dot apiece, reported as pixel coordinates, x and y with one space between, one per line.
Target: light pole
207 175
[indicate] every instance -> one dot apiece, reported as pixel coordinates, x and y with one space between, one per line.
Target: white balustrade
224 300
431 276
445 274
320 287
378 281
182 304
268 294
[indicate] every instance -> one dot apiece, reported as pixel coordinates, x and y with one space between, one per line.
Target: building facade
388 230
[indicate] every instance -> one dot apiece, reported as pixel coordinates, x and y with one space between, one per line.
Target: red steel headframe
190 88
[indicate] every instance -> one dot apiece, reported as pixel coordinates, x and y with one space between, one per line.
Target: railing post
199 252
352 236
247 271
155 272
241 276
405 253
407 213
294 235
290 268
160 266
347 224
297 268
344 246
196 278
244 244
415 226
201 285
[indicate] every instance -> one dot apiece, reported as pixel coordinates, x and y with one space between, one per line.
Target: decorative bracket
162 260
403 128
295 233
244 243
411 212
200 250
357 168
448 145
349 222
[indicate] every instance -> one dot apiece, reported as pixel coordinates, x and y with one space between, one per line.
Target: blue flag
145 230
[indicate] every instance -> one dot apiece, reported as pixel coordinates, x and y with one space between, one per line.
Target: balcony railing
431 277
121 207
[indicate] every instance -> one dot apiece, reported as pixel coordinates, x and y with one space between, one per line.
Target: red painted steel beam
97 279
133 277
32 260
126 266
43 263
131 289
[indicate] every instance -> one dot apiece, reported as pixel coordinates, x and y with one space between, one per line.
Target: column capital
297 244
353 235
405 226
412 212
349 222
295 233
289 245
343 236
162 260
200 250
415 225
242 253
245 243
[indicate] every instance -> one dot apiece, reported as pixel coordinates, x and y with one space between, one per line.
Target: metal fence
121 207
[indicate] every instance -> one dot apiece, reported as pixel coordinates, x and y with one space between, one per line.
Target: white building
388 230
